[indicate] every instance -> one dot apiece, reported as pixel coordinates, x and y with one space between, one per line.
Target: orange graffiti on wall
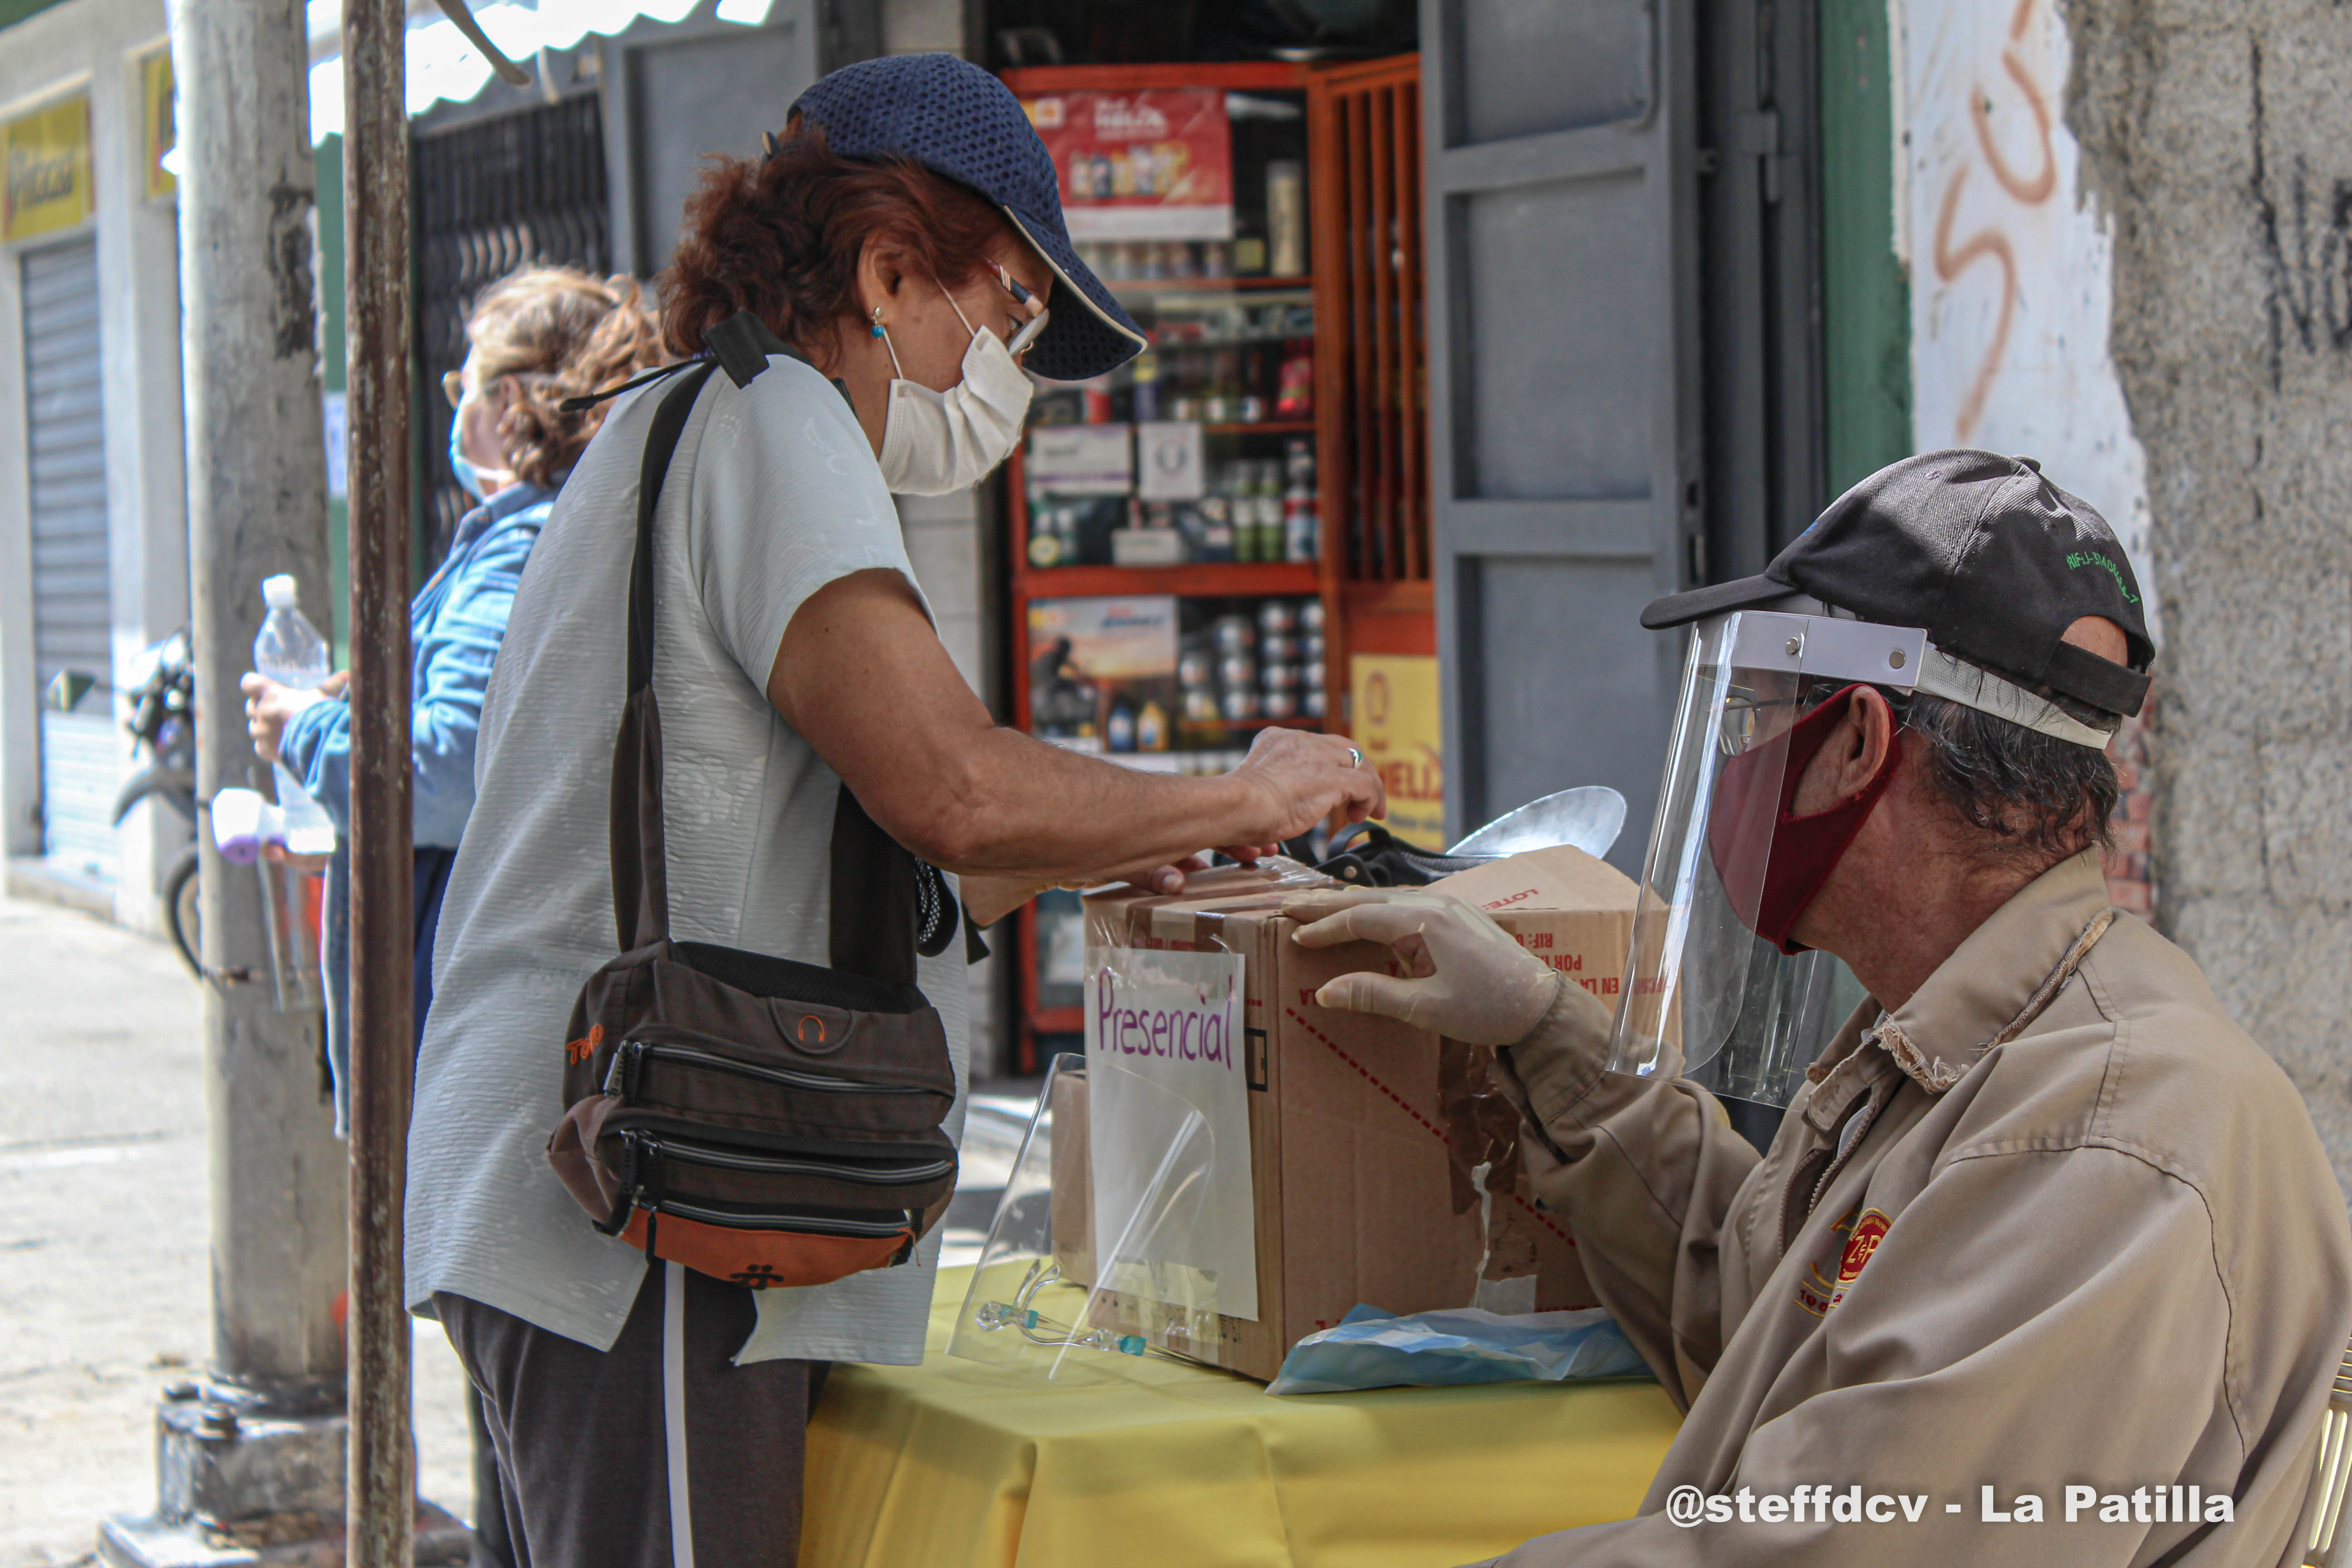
1992 241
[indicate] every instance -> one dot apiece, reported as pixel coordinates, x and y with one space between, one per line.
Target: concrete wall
2011 265
2218 133
98 43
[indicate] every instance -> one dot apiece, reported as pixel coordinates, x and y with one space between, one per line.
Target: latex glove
1470 981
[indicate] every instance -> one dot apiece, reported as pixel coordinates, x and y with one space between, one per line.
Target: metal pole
261 1435
382 1484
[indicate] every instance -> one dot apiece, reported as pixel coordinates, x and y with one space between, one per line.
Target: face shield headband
1716 988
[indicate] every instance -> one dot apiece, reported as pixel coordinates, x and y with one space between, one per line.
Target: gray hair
2041 797
2036 796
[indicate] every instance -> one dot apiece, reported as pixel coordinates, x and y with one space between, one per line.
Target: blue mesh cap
956 120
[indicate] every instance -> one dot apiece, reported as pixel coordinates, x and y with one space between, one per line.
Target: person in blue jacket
538 336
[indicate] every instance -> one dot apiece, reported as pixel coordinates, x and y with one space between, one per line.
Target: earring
877 321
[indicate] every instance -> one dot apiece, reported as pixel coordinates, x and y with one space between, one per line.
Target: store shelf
1234 76
1232 427
1414 597
1199 580
1124 287
1237 734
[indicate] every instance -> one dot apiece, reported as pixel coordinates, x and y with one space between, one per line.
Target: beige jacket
2106 1253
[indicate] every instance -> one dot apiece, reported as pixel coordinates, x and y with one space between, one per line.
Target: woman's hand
270 707
1469 980
1305 778
862 676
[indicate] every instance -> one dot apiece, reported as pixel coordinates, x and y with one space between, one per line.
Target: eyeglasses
1035 325
453 387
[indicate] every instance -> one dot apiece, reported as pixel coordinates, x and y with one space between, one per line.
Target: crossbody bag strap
886 906
640 855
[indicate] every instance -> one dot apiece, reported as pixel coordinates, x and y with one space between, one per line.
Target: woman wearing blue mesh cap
871 289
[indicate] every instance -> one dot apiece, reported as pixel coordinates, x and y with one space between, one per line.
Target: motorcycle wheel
181 911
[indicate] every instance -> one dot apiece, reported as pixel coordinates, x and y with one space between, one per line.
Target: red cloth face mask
1772 863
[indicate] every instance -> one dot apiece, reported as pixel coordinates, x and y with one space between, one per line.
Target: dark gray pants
585 1438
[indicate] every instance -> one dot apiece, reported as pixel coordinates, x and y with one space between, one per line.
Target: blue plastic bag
1373 1349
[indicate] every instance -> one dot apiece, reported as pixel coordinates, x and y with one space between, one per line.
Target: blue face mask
471 479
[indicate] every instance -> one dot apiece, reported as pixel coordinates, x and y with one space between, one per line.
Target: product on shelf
1285 218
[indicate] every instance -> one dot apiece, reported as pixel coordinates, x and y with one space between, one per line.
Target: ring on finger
1355 758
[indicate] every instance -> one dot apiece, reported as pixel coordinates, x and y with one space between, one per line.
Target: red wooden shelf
1201 285
1058 1020
1234 428
1200 580
1241 74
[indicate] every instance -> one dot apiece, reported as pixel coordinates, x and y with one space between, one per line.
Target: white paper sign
1081 461
1172 1022
1168 460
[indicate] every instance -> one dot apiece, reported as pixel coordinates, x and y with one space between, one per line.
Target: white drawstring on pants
681 1512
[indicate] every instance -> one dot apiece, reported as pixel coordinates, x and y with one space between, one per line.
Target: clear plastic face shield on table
1043 1299
1705 997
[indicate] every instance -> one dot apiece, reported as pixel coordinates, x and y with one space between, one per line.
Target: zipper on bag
816 1225
686 1152
627 1071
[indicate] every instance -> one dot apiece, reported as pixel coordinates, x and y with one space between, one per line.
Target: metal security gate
1564 422
72 645
492 194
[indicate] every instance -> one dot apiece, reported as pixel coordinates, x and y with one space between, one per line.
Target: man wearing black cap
2046 1263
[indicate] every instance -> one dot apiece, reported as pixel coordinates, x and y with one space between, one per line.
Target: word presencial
1154 1028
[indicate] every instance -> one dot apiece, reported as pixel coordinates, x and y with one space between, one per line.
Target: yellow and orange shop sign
48 158
158 121
1394 718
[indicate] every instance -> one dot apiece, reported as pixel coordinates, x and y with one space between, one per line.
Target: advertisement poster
1157 164
47 154
1396 724
1102 671
1164 1036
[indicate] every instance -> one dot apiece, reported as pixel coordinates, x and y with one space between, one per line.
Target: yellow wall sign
1395 721
159 119
47 157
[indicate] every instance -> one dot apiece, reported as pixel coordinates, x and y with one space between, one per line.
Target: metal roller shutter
80 756
1564 428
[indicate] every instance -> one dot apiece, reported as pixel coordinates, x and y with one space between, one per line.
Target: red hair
781 237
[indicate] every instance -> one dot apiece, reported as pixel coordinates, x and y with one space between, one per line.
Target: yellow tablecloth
954 1464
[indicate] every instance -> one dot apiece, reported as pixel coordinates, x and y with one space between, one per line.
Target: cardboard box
1364 1132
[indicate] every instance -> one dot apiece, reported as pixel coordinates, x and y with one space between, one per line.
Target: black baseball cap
1993 559
956 120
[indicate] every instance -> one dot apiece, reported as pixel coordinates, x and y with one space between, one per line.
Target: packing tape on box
1482 1122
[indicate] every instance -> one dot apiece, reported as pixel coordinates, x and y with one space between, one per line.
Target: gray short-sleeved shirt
773 494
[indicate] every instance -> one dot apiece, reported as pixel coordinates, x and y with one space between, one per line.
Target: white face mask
936 442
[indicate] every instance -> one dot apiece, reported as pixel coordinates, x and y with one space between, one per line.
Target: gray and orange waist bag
761 1120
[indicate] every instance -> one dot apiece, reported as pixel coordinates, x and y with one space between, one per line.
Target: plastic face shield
1705 998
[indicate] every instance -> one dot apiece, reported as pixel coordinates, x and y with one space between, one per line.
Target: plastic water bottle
291 652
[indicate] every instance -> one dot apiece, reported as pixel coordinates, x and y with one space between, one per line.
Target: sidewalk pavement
103 1257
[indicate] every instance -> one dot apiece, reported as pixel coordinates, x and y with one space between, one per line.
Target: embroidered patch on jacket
1863 1234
